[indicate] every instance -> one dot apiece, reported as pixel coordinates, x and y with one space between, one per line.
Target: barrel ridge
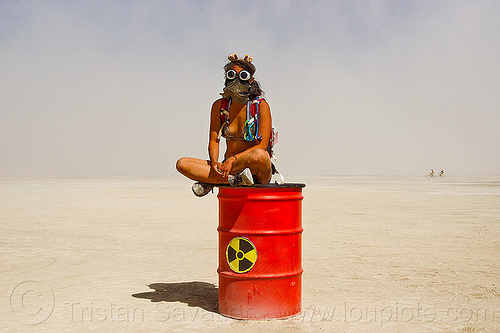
230 274
242 232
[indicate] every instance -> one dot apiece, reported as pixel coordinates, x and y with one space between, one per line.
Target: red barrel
260 270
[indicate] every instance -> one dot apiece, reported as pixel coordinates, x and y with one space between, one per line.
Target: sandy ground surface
380 254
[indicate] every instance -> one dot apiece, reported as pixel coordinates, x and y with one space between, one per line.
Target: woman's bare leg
198 170
259 162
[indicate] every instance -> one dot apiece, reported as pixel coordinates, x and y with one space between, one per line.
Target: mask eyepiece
243 75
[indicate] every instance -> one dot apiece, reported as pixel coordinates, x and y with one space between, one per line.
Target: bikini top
250 130
229 136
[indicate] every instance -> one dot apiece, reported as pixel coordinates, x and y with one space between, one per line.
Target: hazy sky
110 88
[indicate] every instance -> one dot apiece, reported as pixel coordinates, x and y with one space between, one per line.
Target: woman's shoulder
262 102
217 101
217 104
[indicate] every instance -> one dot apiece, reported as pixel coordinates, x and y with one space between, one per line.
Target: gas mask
238 86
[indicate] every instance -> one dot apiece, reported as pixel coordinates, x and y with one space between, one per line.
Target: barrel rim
274 185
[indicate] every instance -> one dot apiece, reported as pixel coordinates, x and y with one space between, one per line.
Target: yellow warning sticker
241 254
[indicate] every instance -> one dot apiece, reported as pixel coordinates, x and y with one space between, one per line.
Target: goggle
243 75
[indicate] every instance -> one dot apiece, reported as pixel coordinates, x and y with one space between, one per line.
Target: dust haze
355 88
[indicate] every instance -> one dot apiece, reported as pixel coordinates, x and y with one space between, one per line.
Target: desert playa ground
380 254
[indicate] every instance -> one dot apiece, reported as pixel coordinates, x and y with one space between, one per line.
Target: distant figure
432 173
441 173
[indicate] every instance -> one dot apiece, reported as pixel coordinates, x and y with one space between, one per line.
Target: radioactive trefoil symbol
241 254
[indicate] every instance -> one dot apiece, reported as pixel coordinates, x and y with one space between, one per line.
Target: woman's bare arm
213 143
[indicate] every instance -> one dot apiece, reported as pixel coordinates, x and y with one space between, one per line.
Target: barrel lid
271 185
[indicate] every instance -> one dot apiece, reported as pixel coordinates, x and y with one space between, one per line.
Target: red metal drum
260 269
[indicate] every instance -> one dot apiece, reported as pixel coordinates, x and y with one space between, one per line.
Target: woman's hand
227 166
216 168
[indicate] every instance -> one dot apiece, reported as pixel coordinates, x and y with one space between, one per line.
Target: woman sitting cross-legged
243 118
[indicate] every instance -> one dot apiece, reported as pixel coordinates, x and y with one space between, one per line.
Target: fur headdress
234 57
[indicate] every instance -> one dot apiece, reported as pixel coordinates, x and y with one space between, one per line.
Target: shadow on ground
201 294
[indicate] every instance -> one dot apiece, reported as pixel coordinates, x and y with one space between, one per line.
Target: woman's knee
182 164
258 157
